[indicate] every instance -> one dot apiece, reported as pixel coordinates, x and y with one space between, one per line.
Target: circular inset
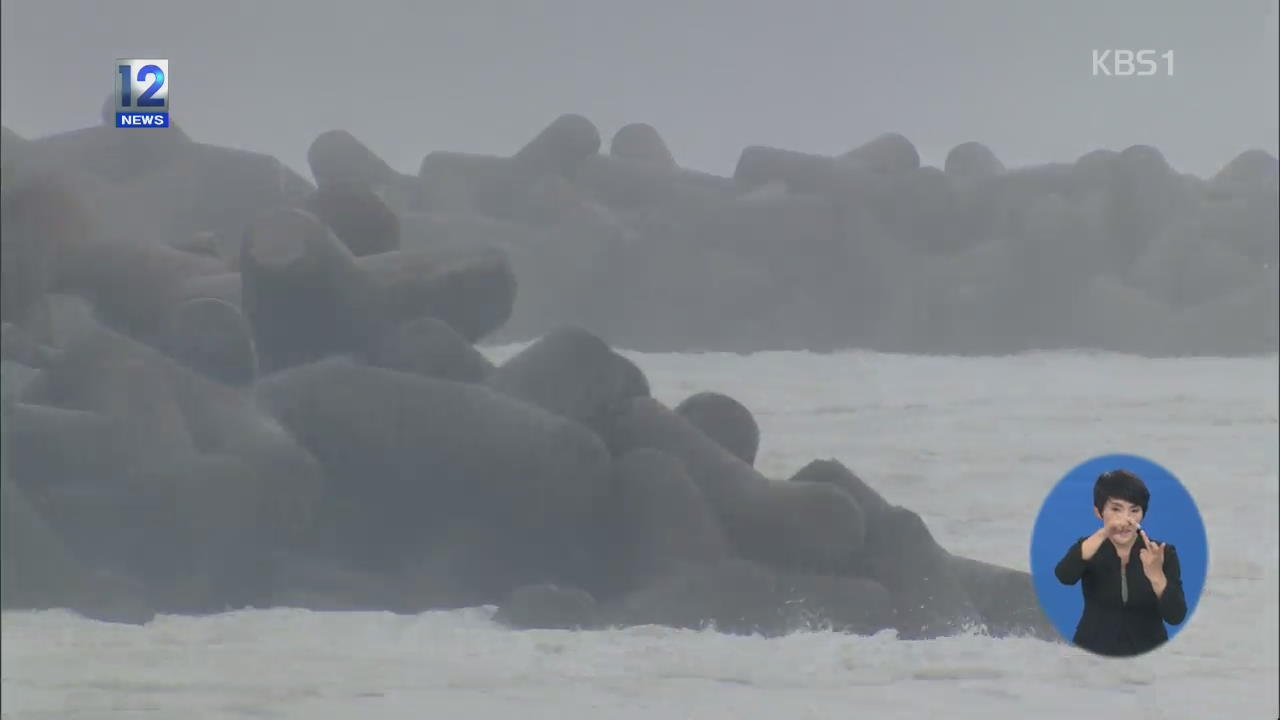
1104 510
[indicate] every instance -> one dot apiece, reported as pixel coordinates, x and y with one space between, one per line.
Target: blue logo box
142 93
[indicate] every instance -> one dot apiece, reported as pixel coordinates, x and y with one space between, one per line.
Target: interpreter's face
1124 514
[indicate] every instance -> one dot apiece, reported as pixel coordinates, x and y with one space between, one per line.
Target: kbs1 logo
142 93
1126 63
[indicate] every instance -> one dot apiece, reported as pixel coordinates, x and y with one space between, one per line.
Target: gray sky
712 76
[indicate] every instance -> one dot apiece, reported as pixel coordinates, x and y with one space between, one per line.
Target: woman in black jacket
1132 585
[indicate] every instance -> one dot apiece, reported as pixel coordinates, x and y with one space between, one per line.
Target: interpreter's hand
1152 557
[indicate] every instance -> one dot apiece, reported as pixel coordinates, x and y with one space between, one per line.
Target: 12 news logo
142 93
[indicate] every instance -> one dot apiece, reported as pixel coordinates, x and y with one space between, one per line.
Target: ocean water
972 444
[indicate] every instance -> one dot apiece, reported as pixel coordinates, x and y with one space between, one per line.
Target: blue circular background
1067 516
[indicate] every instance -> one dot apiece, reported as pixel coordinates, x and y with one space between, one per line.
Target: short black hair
1121 485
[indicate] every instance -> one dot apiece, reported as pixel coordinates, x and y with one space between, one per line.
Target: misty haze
576 359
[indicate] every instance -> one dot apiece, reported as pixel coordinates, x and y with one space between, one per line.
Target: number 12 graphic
145 99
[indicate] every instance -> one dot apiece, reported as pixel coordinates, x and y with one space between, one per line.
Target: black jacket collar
1114 552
